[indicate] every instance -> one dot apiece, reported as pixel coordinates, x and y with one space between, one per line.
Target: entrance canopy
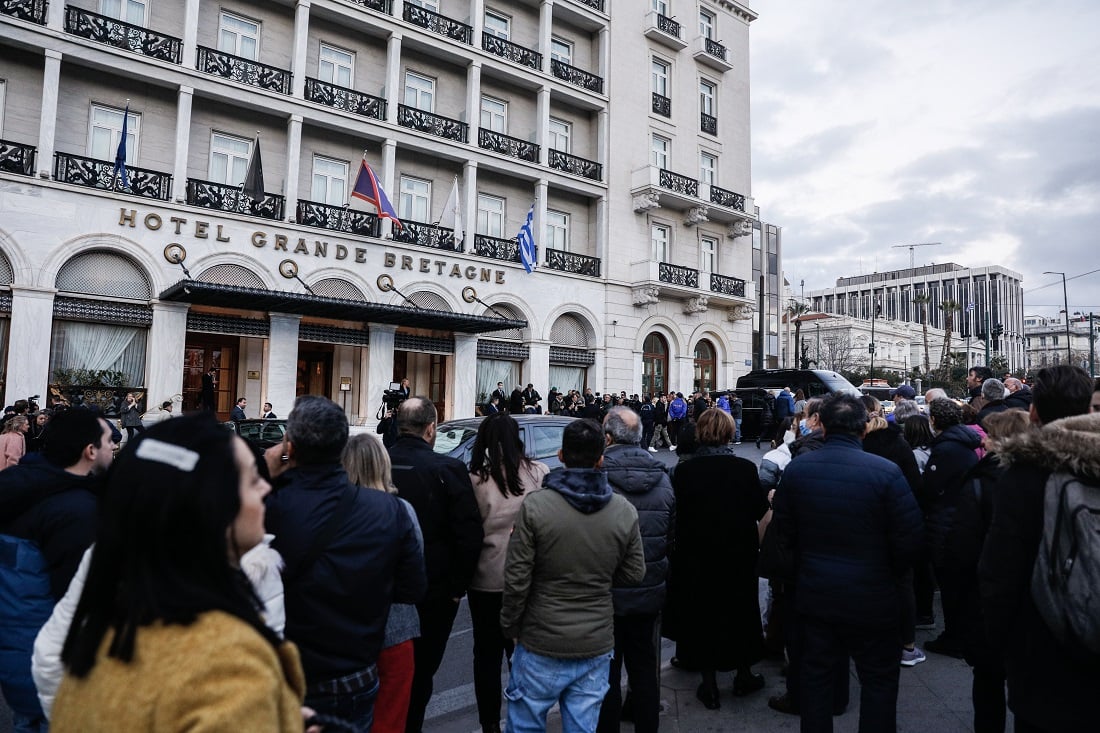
236 296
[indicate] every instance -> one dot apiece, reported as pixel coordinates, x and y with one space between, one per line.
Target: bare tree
836 352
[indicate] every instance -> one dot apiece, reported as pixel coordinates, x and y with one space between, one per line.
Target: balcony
433 124
651 281
664 30
711 53
336 218
708 123
723 285
686 277
81 171
597 4
128 37
572 262
513 52
245 71
221 197
729 199
576 165
382 6
348 100
17 158
513 147
437 23
31 10
425 235
662 105
496 248
654 187
576 77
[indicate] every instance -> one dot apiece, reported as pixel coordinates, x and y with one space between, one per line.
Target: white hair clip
183 459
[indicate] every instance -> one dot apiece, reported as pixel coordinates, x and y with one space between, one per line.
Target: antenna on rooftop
914 246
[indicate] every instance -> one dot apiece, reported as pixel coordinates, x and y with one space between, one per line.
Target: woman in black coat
713 582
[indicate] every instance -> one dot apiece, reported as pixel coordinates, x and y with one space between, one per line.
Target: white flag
451 218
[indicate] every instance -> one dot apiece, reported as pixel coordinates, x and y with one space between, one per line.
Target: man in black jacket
349 551
643 481
439 489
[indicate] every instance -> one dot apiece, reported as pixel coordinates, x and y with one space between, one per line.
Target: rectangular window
419 92
708 168
658 76
330 181
660 235
661 6
557 230
494 115
561 51
708 254
659 151
415 199
105 130
228 158
239 36
706 24
561 135
3 93
707 92
336 66
128 11
498 25
490 216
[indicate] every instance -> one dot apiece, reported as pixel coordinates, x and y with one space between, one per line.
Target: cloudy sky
975 123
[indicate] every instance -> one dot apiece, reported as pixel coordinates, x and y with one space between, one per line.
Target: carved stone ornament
646 201
740 312
740 228
695 215
698 304
646 294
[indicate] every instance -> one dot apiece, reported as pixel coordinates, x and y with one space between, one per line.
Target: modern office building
994 291
620 130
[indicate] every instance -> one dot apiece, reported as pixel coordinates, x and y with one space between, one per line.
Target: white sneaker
672 447
912 658
652 449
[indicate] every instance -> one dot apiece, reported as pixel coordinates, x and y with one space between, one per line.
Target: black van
812 382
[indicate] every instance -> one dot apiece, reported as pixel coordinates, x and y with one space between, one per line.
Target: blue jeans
537 682
350 698
737 431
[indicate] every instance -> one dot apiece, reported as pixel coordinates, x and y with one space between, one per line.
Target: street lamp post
1065 303
871 347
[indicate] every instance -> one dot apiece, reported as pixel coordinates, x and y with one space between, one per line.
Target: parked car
812 382
541 436
259 434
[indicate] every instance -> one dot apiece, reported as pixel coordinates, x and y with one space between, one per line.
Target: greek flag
528 250
970 307
121 178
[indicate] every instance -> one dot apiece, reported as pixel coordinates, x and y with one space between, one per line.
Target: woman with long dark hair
168 634
502 475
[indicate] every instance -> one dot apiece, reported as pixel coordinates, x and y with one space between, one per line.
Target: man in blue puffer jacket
850 522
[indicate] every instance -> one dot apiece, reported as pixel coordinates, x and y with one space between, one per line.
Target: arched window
654 364
704 366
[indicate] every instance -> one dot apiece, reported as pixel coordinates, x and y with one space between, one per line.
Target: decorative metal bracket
385 284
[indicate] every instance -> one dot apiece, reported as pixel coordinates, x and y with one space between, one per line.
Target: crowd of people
187 584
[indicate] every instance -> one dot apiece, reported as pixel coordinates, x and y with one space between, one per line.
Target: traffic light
999 330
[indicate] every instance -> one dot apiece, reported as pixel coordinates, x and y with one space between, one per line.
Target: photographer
131 416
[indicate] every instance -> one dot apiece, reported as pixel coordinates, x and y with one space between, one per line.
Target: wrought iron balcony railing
349 100
662 105
507 145
17 157
32 10
575 76
576 165
722 197
668 25
433 124
437 23
219 196
511 51
425 235
382 6
678 183
708 123
714 48
727 285
336 218
597 4
674 274
81 171
128 37
497 248
245 71
557 259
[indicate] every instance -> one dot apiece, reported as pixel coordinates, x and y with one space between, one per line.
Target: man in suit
237 413
208 397
502 395
267 414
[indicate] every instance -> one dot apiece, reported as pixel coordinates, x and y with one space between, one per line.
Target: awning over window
272 301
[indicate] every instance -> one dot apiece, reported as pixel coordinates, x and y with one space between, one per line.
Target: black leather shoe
783 704
708 696
743 685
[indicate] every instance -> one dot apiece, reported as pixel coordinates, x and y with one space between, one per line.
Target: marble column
389 178
473 98
28 346
469 204
603 239
393 73
164 364
542 124
301 39
293 163
546 27
282 360
537 368
379 367
55 16
47 121
464 394
190 33
183 139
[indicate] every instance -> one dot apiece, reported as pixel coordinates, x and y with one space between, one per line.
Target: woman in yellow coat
167 635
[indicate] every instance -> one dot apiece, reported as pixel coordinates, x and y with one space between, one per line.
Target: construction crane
913 246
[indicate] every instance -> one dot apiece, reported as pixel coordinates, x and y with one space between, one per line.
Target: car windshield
449 438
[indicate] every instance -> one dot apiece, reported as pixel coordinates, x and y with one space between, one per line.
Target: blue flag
528 250
120 154
370 190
